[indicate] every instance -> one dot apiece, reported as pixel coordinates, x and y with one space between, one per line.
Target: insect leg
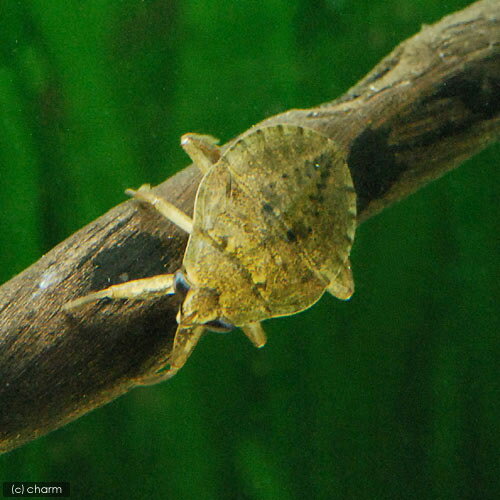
184 342
343 285
255 333
162 284
169 211
202 149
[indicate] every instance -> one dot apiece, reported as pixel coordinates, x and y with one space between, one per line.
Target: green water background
394 394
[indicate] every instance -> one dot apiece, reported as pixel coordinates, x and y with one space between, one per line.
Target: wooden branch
432 103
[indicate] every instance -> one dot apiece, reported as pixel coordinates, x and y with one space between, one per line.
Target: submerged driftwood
428 106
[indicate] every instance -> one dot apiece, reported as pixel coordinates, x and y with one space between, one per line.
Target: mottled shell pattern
274 222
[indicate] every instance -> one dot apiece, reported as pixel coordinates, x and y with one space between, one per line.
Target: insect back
273 226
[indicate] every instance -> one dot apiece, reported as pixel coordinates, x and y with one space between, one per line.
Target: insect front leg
255 334
162 284
202 149
169 211
184 342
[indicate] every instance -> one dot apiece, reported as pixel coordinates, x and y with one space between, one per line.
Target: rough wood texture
432 103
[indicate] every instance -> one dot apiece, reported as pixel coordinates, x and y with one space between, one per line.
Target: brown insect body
273 226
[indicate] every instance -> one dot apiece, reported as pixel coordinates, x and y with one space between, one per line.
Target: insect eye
181 285
219 325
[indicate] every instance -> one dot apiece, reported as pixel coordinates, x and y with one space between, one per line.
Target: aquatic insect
273 226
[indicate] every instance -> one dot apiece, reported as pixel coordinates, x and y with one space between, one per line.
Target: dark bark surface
428 106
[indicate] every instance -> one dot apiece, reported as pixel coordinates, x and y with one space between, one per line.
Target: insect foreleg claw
185 341
255 334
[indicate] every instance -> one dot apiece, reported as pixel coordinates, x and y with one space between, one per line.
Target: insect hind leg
164 207
202 149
